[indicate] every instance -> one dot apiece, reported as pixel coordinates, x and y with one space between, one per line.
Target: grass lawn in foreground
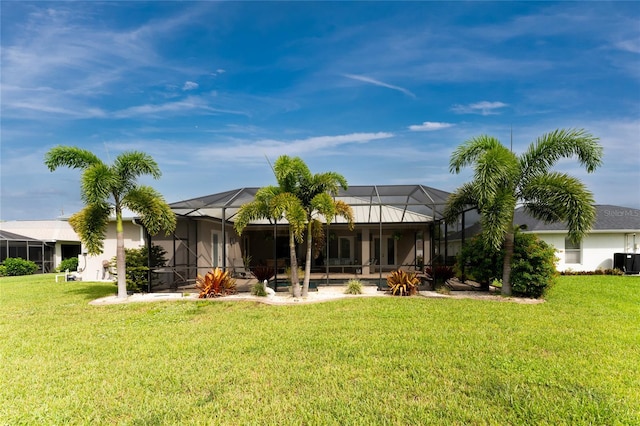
572 360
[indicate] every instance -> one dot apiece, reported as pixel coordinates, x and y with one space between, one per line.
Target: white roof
43 230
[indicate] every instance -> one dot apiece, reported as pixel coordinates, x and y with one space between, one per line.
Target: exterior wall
597 250
92 267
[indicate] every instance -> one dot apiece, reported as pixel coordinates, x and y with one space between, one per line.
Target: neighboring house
45 242
48 242
616 230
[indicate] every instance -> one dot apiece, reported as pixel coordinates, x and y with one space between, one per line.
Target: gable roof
608 218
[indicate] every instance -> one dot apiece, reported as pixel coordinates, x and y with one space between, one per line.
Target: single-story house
45 242
616 230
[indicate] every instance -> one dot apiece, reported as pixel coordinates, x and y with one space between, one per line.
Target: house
395 226
616 230
45 242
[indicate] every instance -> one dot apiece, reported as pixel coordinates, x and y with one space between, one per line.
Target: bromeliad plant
403 283
215 283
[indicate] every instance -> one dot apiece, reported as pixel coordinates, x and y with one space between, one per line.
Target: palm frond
155 213
91 224
495 170
497 218
463 197
561 143
98 183
345 211
69 156
567 196
132 164
469 152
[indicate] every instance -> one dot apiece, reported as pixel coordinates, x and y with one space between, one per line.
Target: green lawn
572 360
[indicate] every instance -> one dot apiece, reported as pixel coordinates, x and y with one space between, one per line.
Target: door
385 254
216 250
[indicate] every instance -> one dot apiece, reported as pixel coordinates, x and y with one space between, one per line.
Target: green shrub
71 264
137 266
3 271
353 287
258 289
532 267
15 266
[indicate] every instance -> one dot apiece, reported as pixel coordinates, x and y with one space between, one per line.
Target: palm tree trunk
295 283
506 265
121 267
307 263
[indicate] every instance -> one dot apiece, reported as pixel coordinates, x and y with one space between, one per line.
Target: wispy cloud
188 105
375 82
190 85
274 148
482 108
429 126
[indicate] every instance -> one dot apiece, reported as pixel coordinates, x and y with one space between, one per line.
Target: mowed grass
572 360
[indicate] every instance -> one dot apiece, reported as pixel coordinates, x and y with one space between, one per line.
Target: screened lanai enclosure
18 246
396 226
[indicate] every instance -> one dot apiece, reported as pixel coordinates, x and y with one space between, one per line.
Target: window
572 251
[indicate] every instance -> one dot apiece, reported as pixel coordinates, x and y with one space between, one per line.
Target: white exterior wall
133 238
597 250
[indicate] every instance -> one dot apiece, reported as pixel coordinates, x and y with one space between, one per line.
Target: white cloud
190 104
274 148
380 83
428 126
190 85
482 108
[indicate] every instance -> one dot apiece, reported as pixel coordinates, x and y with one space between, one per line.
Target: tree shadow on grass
93 290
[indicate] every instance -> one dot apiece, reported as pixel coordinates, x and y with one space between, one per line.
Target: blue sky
381 92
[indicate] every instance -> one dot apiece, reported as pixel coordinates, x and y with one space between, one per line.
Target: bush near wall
17 266
137 266
532 269
608 271
71 264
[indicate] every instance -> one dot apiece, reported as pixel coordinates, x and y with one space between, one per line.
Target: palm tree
316 194
109 189
502 180
300 198
274 203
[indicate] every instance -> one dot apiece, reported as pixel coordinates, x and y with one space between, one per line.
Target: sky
380 92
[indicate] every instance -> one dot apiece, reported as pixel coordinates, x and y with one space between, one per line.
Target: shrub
258 289
15 266
3 271
403 283
353 287
262 272
532 267
441 273
215 283
71 264
137 266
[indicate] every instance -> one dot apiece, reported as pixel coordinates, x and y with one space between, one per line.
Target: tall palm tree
502 180
316 194
274 203
108 189
301 198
